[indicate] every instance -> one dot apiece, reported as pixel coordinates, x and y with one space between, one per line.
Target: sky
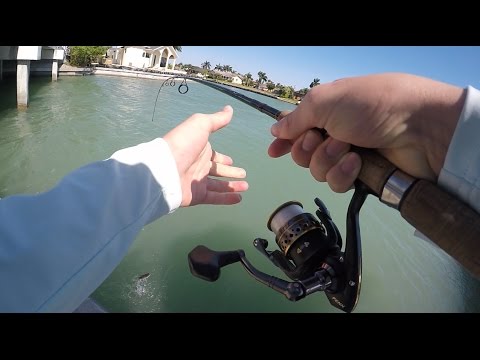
297 66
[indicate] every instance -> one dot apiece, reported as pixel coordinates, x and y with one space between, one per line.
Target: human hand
197 161
410 120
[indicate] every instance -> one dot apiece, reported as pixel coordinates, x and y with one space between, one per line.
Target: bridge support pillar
23 74
54 70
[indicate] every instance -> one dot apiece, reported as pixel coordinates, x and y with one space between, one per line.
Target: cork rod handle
450 223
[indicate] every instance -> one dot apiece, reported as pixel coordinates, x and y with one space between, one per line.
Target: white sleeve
460 174
57 247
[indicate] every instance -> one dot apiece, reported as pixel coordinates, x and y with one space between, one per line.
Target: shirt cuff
461 171
158 158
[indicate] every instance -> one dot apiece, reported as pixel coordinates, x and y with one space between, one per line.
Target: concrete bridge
22 60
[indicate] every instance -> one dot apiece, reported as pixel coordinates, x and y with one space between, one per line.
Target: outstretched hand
198 163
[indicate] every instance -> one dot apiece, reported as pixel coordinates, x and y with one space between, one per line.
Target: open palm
198 163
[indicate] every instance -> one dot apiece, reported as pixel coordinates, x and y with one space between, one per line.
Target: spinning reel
310 254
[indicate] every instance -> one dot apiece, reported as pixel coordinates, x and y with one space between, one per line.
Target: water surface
81 119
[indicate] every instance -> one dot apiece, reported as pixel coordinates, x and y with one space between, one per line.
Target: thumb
220 119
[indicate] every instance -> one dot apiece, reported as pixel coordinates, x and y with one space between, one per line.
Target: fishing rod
311 248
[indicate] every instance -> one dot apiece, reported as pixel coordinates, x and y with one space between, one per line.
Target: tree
314 83
206 65
262 77
218 67
303 91
270 85
85 55
178 48
286 92
214 75
248 77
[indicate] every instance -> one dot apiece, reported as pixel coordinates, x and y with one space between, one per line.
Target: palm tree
227 68
218 67
206 65
315 82
262 77
178 48
248 77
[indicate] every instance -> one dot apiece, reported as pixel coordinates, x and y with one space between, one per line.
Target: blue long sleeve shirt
57 247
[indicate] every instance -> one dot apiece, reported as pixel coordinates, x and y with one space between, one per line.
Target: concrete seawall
74 71
133 73
70 71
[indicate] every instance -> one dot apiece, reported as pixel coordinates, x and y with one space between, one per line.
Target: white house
236 80
156 57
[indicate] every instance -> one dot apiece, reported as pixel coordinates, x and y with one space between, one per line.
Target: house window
147 55
143 55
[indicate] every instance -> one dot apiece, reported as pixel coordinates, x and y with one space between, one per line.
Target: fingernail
310 141
227 108
275 129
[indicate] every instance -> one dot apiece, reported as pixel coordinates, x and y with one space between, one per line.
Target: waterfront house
236 80
225 75
145 57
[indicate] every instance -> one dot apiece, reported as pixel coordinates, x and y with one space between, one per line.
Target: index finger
311 113
280 147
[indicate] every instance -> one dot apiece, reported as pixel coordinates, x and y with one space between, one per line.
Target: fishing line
182 89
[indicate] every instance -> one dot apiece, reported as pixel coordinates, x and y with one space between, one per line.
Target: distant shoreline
260 92
67 70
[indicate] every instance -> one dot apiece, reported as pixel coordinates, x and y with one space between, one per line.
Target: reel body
310 254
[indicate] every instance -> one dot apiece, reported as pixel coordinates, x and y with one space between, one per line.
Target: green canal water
81 119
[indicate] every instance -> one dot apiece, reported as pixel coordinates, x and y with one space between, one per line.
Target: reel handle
206 263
